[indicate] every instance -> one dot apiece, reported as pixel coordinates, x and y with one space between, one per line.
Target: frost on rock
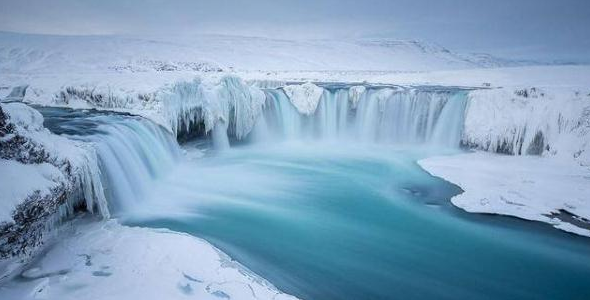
51 174
354 95
305 97
179 107
267 83
230 100
101 96
529 121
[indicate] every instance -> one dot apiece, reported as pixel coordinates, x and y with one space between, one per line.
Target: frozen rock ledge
105 260
528 187
305 97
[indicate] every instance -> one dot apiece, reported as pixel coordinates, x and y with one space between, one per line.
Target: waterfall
375 115
281 116
219 136
132 152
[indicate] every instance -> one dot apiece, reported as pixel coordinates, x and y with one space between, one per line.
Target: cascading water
132 152
381 115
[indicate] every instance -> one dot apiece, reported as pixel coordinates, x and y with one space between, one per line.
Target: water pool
334 221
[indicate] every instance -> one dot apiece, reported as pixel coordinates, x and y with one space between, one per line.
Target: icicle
220 139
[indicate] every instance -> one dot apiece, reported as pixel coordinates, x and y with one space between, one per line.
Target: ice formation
73 159
355 93
59 175
181 105
305 97
529 121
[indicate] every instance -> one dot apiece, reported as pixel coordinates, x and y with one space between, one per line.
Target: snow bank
531 188
104 260
533 121
305 97
76 160
44 176
18 181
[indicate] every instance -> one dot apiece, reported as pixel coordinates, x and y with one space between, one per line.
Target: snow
105 260
557 76
61 151
305 97
18 180
131 54
24 117
548 121
355 93
528 187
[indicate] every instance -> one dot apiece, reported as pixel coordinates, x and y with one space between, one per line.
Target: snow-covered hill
51 53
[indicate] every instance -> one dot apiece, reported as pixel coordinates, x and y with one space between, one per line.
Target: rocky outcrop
24 139
529 121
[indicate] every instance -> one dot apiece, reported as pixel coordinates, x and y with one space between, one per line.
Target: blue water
346 220
334 221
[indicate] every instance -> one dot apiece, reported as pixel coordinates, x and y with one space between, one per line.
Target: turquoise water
336 221
346 220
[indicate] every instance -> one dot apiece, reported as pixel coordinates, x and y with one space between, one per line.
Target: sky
546 30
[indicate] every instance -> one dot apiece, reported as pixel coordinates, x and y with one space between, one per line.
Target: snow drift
51 174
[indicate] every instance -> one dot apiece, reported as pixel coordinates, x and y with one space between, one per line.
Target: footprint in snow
220 294
102 273
185 289
217 293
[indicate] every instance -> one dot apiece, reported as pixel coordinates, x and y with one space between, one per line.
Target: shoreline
525 189
103 259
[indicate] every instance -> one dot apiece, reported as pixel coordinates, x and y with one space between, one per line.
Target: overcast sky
537 29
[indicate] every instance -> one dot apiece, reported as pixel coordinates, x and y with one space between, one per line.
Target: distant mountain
24 53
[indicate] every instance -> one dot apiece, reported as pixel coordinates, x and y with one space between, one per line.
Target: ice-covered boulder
305 97
355 93
44 177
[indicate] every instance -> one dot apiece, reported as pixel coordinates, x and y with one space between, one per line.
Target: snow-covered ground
530 187
105 260
563 76
47 53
